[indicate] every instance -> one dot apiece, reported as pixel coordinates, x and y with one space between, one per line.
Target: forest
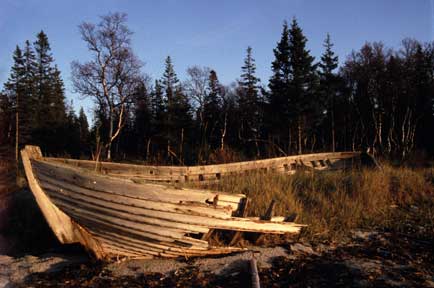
378 98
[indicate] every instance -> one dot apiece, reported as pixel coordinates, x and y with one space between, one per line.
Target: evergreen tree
329 86
157 140
213 110
51 110
278 121
248 102
5 121
84 133
422 86
178 117
15 91
303 105
71 134
142 119
31 104
44 70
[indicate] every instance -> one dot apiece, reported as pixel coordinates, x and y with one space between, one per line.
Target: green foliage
249 106
35 92
214 118
277 112
177 114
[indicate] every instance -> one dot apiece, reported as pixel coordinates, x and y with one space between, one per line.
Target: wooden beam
243 213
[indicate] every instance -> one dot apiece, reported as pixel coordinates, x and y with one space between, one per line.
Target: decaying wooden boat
204 173
109 212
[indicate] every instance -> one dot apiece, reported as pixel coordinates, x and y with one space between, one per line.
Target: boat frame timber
211 173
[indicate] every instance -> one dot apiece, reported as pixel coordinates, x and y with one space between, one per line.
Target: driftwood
254 273
114 216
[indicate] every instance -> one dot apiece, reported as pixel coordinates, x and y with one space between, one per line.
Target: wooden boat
204 173
112 216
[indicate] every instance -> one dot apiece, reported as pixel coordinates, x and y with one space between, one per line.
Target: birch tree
113 73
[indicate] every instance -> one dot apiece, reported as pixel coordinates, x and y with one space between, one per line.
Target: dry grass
334 203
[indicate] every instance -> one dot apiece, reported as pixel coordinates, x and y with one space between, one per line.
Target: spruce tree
31 103
178 117
158 108
212 110
142 119
51 109
15 91
303 105
277 120
71 133
248 102
84 133
157 140
5 121
328 85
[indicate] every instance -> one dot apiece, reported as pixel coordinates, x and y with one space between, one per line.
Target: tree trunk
109 144
222 139
333 131
17 129
300 150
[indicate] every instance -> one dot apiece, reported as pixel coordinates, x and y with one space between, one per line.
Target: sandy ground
369 259
14 271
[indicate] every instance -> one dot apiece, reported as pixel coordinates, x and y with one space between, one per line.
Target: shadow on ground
369 260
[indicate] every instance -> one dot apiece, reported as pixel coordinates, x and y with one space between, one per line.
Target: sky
210 33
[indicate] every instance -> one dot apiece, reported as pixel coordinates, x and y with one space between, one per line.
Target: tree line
379 98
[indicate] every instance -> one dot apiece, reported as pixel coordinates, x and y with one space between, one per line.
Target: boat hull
115 217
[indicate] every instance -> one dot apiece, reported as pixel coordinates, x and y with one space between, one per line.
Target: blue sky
211 33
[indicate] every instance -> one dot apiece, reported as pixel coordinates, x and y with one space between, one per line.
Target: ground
366 228
368 259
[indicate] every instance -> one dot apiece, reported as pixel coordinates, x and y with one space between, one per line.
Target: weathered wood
127 188
207 236
63 227
186 208
254 273
213 172
114 216
243 213
232 223
270 211
267 216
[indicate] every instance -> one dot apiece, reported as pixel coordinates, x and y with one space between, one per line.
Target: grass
335 203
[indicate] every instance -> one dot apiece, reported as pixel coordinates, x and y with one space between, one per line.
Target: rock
234 263
364 235
303 249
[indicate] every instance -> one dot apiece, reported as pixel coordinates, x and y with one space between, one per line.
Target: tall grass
334 203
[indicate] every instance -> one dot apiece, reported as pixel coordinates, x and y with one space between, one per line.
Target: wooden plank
242 213
61 224
163 252
270 211
94 180
160 246
232 223
129 213
80 213
267 216
126 188
254 273
206 172
186 208
91 221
